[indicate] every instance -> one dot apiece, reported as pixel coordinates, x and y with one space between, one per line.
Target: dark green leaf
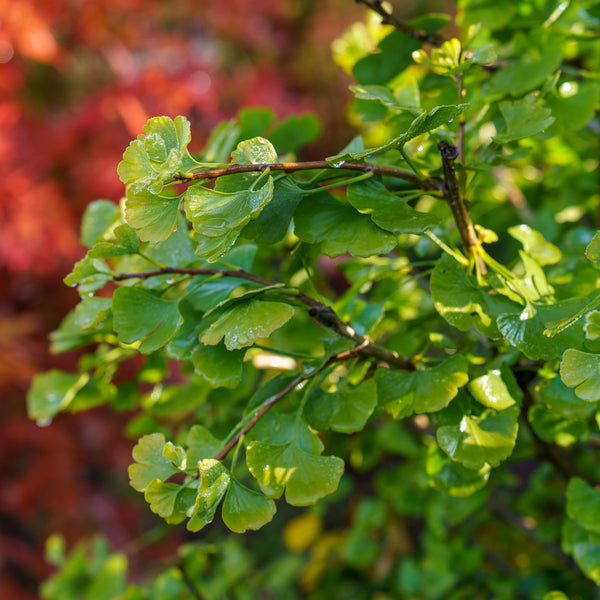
218 365
387 210
52 392
139 315
98 217
402 393
581 370
339 228
523 119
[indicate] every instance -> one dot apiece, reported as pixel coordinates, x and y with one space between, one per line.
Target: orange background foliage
78 79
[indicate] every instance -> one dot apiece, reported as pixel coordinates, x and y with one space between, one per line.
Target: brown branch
457 203
387 18
272 400
319 311
430 185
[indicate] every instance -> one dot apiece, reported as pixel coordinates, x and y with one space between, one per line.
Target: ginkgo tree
405 333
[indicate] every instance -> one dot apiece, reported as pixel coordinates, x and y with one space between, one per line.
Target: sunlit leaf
154 217
536 245
523 119
294 467
157 154
477 440
214 481
150 462
491 391
247 322
581 370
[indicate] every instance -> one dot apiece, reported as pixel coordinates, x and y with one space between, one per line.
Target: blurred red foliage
78 80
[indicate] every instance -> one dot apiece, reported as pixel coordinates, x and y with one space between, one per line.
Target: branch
272 400
457 203
430 185
387 18
319 311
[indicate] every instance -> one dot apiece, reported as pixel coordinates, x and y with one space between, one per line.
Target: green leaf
387 210
162 497
573 113
89 275
393 56
581 370
525 330
245 509
527 73
153 217
214 481
91 312
295 132
523 119
592 250
386 96
583 504
562 401
177 250
346 410
402 393
477 440
217 365
583 545
217 217
339 228
256 151
150 462
247 322
201 444
452 477
139 315
491 391
294 466
534 243
156 155
556 429
97 218
592 325
125 242
425 122
272 224
459 299
52 392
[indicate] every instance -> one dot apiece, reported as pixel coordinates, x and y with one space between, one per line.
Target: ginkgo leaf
294 467
156 155
218 365
345 410
154 217
247 322
139 315
214 481
150 462
581 370
245 509
339 228
402 393
387 210
477 440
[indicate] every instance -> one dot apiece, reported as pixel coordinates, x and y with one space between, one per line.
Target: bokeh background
78 80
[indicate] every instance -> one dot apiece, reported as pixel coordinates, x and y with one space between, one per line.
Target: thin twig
272 400
291 167
320 312
387 18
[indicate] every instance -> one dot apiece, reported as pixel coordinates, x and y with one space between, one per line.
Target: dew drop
450 121
170 280
90 294
337 165
43 422
175 229
73 285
